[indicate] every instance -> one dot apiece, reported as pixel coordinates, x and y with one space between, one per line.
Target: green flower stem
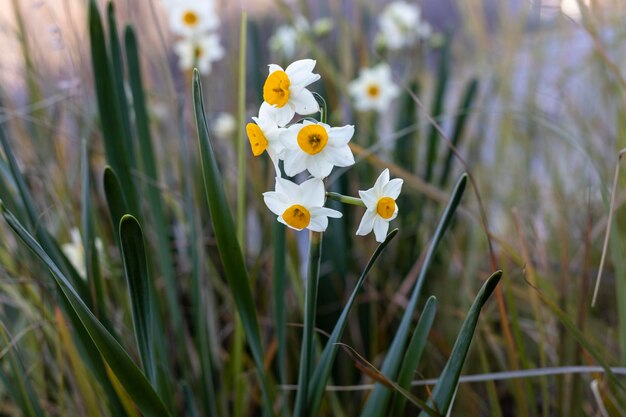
345 199
239 336
306 352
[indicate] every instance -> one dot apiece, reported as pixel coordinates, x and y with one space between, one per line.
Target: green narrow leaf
459 127
405 148
126 371
414 354
117 76
108 109
92 266
115 198
136 271
18 385
228 246
280 315
379 398
307 349
324 368
449 378
437 109
155 208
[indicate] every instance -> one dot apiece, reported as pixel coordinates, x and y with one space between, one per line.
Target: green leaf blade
136 271
228 246
449 378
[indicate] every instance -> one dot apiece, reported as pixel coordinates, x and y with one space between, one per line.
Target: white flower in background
316 147
265 135
193 17
199 52
285 92
401 25
75 252
286 39
373 89
380 201
224 125
322 26
300 206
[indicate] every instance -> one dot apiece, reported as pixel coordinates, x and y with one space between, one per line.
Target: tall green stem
310 302
238 342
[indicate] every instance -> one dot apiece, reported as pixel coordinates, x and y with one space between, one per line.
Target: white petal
340 135
289 137
289 189
275 202
274 67
281 115
382 179
340 157
380 229
318 223
318 166
295 162
275 157
367 223
370 198
328 212
313 192
392 188
304 65
305 103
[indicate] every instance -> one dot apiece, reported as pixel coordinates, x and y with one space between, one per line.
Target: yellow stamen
297 216
373 90
258 141
190 18
386 207
312 139
197 52
276 89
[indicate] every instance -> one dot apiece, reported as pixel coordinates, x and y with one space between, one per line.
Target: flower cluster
401 25
195 23
311 146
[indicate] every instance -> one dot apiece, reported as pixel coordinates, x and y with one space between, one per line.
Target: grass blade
379 398
128 374
414 353
115 198
228 246
459 127
322 372
108 108
136 271
437 109
449 378
92 265
19 385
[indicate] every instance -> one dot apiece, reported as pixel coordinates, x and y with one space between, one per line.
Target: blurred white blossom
224 125
373 89
199 52
401 25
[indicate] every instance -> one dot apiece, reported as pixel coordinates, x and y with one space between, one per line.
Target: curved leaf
227 244
449 378
127 372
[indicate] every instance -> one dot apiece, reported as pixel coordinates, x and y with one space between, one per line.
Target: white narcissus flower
316 147
285 93
373 89
224 125
265 135
200 52
401 25
192 17
380 201
287 37
300 206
